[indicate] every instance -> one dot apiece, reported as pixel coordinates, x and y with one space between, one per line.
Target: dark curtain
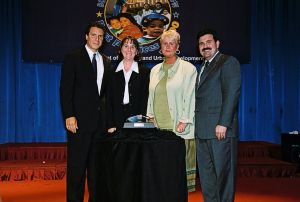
270 97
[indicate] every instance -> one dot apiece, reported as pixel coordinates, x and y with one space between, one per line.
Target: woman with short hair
171 101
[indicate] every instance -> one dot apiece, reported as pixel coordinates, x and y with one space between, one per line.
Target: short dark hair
94 24
154 16
112 18
207 31
130 18
135 43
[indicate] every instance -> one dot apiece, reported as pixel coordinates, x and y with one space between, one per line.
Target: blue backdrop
269 103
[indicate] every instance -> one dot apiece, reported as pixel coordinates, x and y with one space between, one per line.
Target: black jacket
79 92
138 95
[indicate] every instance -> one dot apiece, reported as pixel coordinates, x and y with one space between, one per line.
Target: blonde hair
171 34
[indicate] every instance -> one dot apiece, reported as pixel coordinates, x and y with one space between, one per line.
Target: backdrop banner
52 28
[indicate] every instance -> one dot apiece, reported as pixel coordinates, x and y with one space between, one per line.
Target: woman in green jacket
171 101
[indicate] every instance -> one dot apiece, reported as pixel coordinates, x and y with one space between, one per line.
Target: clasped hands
180 127
71 124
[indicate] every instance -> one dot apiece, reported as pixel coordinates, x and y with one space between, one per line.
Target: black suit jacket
79 92
217 98
138 95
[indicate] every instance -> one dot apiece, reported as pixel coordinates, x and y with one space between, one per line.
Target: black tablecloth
141 165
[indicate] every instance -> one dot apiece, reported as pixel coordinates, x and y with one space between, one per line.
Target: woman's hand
180 127
111 130
152 120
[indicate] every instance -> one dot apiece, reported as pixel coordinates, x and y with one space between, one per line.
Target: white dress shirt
100 66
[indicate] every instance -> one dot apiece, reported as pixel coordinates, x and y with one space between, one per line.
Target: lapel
120 79
106 67
212 66
87 60
134 75
197 78
160 73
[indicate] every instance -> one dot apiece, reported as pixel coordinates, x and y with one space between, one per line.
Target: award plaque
138 121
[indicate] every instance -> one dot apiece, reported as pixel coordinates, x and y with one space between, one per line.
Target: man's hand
71 124
111 130
221 132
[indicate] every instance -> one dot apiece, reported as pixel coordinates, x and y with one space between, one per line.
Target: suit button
98 108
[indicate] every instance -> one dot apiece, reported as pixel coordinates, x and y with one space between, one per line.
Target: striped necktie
202 70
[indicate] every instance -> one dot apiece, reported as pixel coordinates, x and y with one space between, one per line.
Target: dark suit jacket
79 93
138 95
217 98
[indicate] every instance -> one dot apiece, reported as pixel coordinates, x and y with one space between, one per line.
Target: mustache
204 49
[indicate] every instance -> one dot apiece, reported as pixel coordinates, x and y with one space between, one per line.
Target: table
141 165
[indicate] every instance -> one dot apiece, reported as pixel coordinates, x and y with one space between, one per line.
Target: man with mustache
216 119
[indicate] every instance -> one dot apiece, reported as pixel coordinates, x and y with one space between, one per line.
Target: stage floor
251 189
47 161
36 173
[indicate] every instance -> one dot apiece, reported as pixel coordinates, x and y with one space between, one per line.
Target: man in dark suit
84 77
216 119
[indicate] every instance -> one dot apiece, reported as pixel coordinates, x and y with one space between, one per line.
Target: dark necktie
205 65
202 70
94 63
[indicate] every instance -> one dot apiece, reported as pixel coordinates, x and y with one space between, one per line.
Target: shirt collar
213 57
134 67
174 66
90 52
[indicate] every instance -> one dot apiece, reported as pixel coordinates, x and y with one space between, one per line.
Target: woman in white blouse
128 87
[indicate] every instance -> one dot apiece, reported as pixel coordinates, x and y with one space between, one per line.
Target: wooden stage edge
47 161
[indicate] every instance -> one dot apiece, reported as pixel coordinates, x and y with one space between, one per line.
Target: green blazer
180 92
